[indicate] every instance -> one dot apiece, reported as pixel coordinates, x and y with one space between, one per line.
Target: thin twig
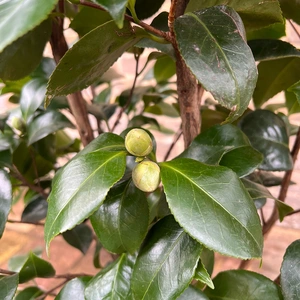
293 212
47 293
295 29
24 222
175 140
7 272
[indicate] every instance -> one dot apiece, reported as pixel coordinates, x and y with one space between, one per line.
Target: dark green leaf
166 263
208 259
223 145
74 289
35 211
20 16
164 68
116 8
80 237
45 68
290 272
30 293
81 186
275 76
124 207
191 293
291 103
147 8
139 121
89 18
46 123
267 49
5 199
163 108
290 9
8 286
35 267
47 147
212 44
113 282
273 31
268 134
241 284
5 158
21 57
89 58
32 96
202 275
96 260
295 88
213 206
255 13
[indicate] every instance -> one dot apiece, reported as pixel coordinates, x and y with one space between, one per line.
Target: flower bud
146 176
18 123
138 142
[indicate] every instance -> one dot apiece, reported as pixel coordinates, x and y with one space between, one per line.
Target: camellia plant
162 220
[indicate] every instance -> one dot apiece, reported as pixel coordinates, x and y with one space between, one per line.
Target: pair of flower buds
146 174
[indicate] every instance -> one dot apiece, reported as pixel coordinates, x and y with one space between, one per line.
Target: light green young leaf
213 206
202 275
218 55
295 88
17 17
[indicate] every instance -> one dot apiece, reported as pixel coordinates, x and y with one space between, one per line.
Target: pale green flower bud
138 142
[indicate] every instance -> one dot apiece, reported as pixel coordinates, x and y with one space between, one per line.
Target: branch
7 272
23 222
47 293
295 29
76 102
175 140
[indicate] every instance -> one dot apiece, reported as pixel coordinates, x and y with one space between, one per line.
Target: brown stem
295 29
296 211
7 272
22 222
76 102
176 138
41 297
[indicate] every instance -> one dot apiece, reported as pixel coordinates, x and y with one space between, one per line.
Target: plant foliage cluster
209 196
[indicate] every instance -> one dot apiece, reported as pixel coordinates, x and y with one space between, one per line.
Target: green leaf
295 88
202 275
290 9
273 31
21 57
212 205
140 120
226 145
32 96
268 134
35 211
166 262
5 199
218 55
89 58
241 284
147 8
17 17
96 259
290 272
46 123
80 237
30 293
8 286
191 293
291 103
255 13
113 282
116 8
74 289
81 186
164 68
275 76
124 207
35 267
267 49
258 191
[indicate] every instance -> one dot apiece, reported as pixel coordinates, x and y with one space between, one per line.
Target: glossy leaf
275 76
32 97
35 267
35 211
74 289
290 9
124 207
241 284
17 17
21 57
255 14
46 123
147 8
116 8
81 186
202 275
113 282
212 205
268 134
158 272
80 237
5 199
8 286
218 55
258 191
88 59
191 293
223 145
268 49
30 293
164 68
290 272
